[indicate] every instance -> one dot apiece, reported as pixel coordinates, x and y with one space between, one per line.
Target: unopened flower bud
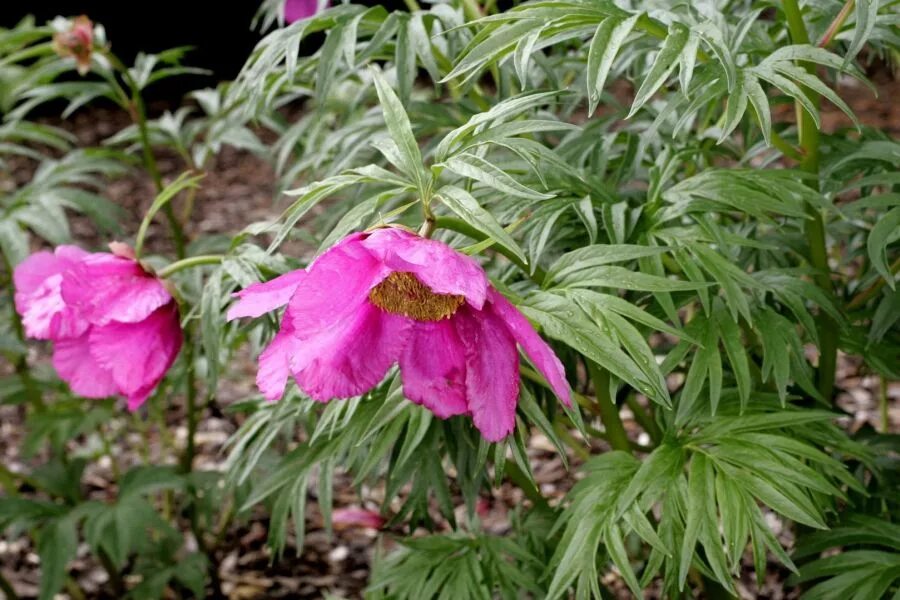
76 41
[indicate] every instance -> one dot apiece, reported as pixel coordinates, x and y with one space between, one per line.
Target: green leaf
607 302
329 55
760 102
479 169
735 107
885 232
57 546
183 182
398 125
737 356
596 255
466 207
405 62
149 479
626 279
211 324
866 12
665 62
616 549
605 45
564 320
699 484
657 473
13 241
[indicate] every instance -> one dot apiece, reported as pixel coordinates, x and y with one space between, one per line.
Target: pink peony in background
389 296
114 327
346 518
295 10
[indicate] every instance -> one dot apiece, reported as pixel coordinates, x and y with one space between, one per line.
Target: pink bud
357 517
76 42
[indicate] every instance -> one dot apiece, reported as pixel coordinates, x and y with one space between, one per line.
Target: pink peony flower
295 10
389 296
115 327
357 517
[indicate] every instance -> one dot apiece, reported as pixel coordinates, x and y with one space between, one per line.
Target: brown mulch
239 189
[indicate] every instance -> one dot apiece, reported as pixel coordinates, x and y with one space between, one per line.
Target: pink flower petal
433 368
38 298
138 354
492 371
275 362
110 288
434 263
294 10
327 304
351 356
260 298
74 364
534 346
336 286
139 396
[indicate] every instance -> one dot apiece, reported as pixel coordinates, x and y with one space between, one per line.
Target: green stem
428 226
188 263
471 10
785 147
864 296
645 419
115 579
609 414
187 460
579 448
74 591
153 169
138 113
412 5
883 406
815 225
518 477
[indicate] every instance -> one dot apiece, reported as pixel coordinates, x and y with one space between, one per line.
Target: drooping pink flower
357 517
114 326
76 41
389 296
295 10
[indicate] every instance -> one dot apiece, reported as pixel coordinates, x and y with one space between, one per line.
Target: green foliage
689 251
456 566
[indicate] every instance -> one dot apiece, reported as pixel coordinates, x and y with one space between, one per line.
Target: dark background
219 30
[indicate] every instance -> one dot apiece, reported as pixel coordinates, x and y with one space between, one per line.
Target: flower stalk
836 25
138 111
815 226
140 114
609 414
189 263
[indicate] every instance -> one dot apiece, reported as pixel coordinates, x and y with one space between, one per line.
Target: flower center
402 294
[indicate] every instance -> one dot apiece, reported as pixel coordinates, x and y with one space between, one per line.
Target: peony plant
613 189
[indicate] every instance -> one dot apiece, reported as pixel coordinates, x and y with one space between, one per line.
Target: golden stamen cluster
403 294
